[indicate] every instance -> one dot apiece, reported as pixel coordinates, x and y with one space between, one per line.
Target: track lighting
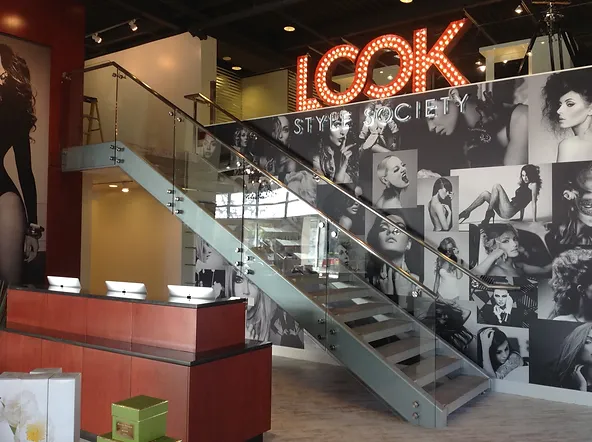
519 9
97 38
482 68
133 26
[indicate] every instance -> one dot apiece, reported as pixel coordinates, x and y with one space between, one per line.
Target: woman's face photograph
3 73
584 205
243 288
343 255
444 123
508 242
502 353
443 193
209 146
500 297
244 136
396 174
585 356
573 110
338 132
392 239
282 132
524 177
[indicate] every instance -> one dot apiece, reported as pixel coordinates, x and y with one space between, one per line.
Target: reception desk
194 355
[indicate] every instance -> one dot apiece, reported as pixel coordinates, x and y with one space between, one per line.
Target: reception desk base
221 394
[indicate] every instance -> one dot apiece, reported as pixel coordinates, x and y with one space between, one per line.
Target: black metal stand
550 25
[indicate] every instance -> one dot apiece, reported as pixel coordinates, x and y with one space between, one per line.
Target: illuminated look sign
413 63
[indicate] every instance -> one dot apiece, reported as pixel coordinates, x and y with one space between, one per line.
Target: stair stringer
407 399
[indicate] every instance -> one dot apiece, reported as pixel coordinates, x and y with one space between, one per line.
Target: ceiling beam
479 27
245 13
144 13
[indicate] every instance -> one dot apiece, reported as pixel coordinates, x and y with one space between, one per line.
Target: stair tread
448 392
356 308
380 326
428 365
337 291
403 345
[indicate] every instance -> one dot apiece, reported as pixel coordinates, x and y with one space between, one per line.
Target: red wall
60 25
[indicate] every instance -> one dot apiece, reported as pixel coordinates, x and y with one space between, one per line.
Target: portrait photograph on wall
439 196
24 118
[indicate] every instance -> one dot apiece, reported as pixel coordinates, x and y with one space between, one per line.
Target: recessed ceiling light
236 68
406 1
478 62
519 9
543 42
289 28
125 190
390 77
382 72
114 186
505 61
227 58
482 68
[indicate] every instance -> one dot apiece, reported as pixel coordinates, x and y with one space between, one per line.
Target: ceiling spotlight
482 68
125 190
97 38
529 53
505 61
390 77
478 62
382 72
519 9
289 28
236 68
543 42
113 186
226 58
406 1
133 26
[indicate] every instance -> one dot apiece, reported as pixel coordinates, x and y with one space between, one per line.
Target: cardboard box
40 407
139 419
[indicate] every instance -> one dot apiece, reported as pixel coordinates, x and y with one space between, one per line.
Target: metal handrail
290 155
259 133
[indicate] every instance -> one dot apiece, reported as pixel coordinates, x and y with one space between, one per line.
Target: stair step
456 392
383 329
407 348
336 295
360 311
429 369
278 231
288 242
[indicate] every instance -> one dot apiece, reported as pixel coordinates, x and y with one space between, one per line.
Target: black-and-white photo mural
497 176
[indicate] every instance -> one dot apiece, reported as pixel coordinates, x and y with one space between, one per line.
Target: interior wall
173 67
133 238
265 94
58 24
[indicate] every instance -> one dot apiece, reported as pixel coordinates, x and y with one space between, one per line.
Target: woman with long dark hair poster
20 230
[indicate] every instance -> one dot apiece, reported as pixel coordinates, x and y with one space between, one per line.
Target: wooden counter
195 356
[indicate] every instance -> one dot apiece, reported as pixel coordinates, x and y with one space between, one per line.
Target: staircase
389 343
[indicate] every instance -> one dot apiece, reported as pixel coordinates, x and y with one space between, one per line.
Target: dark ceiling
251 31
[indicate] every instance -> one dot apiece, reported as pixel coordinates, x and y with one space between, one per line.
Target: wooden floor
318 402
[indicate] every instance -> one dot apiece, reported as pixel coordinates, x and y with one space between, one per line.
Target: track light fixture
97 38
133 26
519 9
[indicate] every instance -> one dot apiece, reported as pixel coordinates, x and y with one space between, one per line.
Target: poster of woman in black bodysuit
24 124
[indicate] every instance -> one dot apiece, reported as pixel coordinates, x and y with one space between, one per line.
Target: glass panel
92 119
146 125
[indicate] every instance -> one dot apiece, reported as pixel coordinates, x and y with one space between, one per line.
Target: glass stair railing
383 332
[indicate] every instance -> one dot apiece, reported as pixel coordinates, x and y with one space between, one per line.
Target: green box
109 438
139 419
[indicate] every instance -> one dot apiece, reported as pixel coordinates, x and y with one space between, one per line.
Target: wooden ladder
93 116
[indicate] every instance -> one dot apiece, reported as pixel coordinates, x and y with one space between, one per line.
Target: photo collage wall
496 175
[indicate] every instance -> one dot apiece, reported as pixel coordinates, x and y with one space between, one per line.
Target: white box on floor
40 407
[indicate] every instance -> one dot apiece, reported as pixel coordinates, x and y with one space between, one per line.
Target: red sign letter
329 96
405 52
302 100
424 60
